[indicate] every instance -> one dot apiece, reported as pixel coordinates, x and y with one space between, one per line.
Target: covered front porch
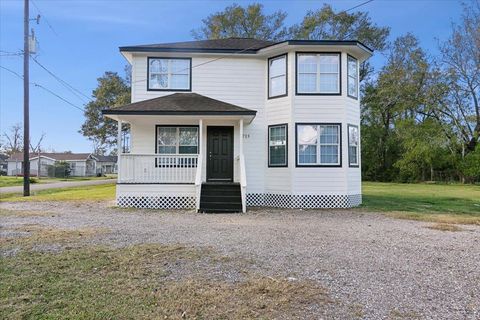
177 155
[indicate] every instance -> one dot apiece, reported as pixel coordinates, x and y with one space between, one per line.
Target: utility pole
26 94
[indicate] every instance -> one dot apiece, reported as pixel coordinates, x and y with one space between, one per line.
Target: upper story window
352 79
318 73
277 76
171 74
277 145
318 145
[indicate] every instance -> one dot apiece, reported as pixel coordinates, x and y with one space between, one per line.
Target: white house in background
81 164
105 164
220 125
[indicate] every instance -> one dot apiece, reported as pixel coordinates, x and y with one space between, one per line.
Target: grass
424 202
136 283
444 227
84 193
8 181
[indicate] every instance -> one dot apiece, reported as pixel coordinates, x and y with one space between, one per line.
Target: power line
45 18
358 5
72 89
44 88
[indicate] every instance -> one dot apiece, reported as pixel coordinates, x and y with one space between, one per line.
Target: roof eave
192 50
179 113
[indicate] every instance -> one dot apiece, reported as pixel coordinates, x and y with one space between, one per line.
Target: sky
79 40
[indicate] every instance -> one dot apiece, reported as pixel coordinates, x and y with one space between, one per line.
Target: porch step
224 197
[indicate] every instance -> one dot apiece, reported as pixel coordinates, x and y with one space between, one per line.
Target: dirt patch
445 227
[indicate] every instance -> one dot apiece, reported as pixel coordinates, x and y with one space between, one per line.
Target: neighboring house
105 164
81 164
3 164
219 125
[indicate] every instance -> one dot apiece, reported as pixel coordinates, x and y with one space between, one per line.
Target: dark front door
219 153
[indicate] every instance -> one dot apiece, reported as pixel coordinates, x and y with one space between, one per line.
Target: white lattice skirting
253 200
306 201
156 202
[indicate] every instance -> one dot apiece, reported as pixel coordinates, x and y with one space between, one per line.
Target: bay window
318 73
318 144
277 76
277 145
170 74
353 143
352 78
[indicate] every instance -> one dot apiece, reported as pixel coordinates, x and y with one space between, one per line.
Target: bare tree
461 55
13 139
38 149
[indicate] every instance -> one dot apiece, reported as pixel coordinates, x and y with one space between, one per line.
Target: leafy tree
424 149
112 91
470 166
244 22
326 24
400 90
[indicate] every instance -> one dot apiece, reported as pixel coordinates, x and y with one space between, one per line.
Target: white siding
242 80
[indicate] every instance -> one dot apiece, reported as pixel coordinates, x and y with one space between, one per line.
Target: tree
326 24
244 22
14 139
112 91
461 58
400 91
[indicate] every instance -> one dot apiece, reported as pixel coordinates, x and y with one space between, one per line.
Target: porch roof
180 104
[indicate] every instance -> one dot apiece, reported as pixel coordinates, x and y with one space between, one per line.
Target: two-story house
220 125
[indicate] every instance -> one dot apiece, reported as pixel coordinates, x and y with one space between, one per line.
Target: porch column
200 136
241 136
119 147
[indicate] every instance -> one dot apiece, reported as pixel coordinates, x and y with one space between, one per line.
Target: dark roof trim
327 43
246 51
181 113
197 50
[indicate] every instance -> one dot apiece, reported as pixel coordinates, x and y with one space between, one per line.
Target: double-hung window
177 140
172 141
352 79
318 144
171 74
353 143
318 73
277 145
277 76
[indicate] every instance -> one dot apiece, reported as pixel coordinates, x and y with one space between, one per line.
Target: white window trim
354 78
318 73
319 145
177 144
169 74
285 164
270 78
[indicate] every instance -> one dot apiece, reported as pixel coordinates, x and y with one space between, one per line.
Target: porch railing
157 168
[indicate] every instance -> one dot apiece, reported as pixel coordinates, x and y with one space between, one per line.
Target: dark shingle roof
181 104
247 45
53 155
102 158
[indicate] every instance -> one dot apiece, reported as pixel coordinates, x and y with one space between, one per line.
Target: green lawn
7 181
86 193
428 202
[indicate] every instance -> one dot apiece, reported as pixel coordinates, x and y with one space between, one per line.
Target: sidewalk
55 185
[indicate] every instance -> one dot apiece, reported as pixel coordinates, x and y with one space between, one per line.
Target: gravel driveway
375 266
